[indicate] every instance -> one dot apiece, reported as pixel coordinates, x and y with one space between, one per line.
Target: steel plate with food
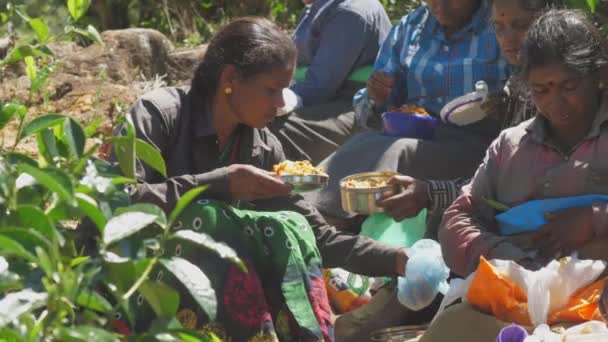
361 192
302 175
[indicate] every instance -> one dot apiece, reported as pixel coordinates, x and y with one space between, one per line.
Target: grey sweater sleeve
153 126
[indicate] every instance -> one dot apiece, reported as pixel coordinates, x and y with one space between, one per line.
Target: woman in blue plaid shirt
433 55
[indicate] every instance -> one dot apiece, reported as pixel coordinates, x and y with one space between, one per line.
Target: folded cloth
530 216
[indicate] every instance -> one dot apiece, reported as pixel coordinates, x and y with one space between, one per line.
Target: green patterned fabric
281 297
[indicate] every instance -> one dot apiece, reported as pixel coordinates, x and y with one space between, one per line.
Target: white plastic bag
547 289
550 288
592 331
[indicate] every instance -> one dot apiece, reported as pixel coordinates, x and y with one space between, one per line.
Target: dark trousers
314 132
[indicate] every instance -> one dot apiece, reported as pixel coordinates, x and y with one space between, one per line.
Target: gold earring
228 91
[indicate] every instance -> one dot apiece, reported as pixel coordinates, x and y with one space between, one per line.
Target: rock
147 49
125 55
91 62
182 62
70 94
64 49
5 45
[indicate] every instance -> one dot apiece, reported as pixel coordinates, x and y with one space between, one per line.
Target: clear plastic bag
425 275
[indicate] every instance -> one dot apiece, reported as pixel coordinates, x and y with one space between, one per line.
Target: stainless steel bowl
365 201
306 183
400 334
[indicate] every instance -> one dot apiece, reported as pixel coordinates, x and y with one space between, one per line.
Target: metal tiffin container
361 192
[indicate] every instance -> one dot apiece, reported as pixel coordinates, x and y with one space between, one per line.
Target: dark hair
536 5
252 44
567 37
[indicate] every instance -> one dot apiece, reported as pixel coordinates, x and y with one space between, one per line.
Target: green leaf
47 146
122 275
31 69
163 299
18 158
19 53
223 250
41 29
90 208
42 122
125 225
128 128
123 180
32 217
10 282
54 179
10 335
9 110
124 148
92 127
10 247
15 108
84 333
80 260
74 137
94 35
190 336
43 75
164 324
196 282
5 116
26 237
151 156
161 218
496 205
78 8
184 201
16 304
93 301
45 262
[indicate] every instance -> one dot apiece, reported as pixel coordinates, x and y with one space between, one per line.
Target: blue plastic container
409 125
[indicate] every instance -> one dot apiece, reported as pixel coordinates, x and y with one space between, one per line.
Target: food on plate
366 183
297 168
412 109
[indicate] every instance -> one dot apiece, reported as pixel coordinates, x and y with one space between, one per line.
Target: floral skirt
282 296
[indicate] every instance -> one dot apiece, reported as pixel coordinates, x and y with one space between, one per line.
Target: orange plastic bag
501 296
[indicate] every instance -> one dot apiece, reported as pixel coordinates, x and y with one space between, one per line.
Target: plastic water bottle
426 275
